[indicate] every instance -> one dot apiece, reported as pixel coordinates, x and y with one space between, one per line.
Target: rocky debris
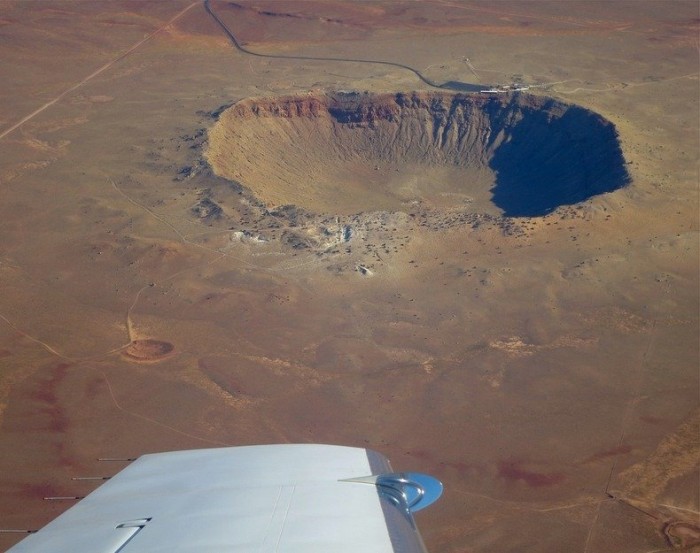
195 139
214 114
295 240
199 167
294 215
207 209
248 237
184 173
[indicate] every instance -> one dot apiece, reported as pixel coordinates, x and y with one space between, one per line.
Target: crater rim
569 152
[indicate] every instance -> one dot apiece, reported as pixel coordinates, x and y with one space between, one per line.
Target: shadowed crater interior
347 152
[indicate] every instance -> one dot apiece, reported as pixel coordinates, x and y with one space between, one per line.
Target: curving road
417 73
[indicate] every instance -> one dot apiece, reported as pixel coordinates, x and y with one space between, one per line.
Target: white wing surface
290 498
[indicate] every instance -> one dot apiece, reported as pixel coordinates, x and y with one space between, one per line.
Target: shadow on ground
547 162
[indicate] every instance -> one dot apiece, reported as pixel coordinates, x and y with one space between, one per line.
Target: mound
519 155
148 350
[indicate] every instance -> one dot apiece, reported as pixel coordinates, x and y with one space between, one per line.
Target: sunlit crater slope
348 152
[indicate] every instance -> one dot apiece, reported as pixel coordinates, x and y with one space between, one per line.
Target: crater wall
518 155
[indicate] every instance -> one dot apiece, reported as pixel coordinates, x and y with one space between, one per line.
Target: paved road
449 85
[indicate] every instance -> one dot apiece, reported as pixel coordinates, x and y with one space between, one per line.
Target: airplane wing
289 498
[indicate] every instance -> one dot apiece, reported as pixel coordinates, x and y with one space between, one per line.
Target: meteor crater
516 155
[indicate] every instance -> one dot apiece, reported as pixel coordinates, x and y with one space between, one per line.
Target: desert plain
206 247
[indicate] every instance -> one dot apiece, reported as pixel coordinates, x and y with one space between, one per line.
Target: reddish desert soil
543 366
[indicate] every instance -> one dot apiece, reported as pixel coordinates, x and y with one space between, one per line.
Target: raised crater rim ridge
516 155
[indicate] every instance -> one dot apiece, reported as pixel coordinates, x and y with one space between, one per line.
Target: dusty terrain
543 365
